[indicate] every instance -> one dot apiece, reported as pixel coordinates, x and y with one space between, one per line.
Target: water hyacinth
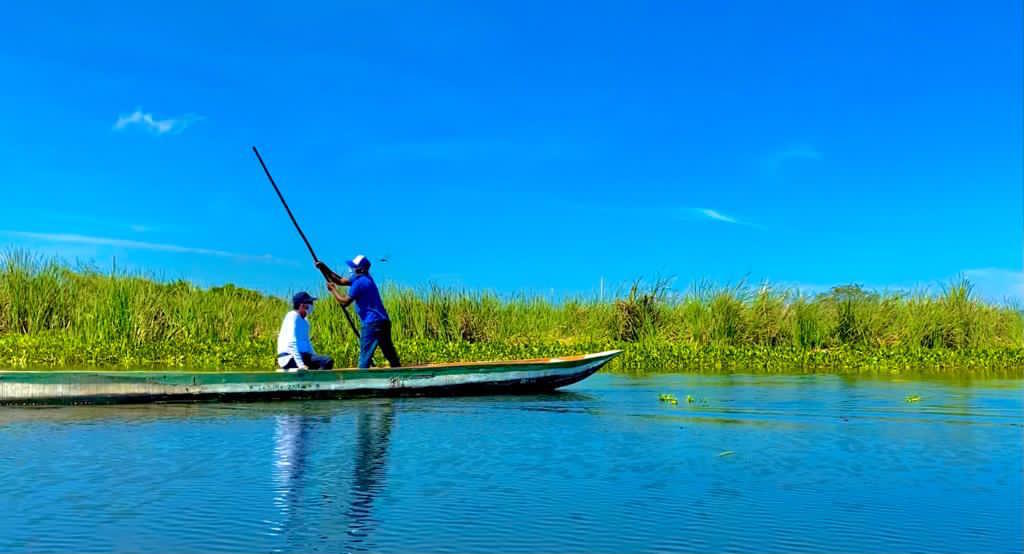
53 316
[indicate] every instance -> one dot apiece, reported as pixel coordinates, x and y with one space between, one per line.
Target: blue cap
302 298
359 262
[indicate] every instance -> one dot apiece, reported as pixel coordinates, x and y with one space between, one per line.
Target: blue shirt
368 304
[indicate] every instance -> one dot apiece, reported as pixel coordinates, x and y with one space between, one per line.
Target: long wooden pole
344 309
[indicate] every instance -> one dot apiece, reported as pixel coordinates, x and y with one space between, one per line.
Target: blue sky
521 146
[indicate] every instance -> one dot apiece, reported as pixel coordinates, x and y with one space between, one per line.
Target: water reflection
290 454
293 436
373 436
940 475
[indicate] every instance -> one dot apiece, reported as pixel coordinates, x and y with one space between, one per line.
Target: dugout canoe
106 387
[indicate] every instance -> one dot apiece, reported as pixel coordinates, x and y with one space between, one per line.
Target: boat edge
148 387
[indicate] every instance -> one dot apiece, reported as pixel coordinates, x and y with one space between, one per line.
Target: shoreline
41 353
55 317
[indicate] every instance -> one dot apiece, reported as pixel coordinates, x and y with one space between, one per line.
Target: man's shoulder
360 282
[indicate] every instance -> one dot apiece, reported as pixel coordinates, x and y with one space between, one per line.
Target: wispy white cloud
997 284
773 162
99 222
717 215
71 238
138 118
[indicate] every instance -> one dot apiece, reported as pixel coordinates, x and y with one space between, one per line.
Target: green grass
54 316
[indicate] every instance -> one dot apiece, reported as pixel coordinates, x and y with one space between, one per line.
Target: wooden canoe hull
90 387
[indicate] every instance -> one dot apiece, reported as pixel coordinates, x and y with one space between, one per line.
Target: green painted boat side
238 377
87 386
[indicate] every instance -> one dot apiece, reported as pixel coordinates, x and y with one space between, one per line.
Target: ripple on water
811 465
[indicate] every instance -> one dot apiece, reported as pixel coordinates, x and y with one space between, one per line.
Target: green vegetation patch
53 316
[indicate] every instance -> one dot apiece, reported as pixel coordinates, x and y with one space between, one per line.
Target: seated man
294 351
376 330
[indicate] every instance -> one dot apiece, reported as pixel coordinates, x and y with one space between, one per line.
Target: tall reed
52 315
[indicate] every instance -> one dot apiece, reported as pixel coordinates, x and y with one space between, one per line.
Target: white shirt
293 339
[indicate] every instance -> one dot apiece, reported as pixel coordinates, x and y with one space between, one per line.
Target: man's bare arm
342 298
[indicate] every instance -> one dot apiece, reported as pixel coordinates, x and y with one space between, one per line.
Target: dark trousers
374 334
314 361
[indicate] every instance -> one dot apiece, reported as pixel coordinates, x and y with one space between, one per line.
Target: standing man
294 350
376 328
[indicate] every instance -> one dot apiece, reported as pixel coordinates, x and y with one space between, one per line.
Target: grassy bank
52 316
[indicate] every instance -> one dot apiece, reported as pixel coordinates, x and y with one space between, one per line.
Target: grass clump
55 316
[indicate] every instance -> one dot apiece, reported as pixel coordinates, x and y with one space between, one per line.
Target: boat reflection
294 437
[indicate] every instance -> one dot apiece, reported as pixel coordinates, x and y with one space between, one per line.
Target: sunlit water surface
763 464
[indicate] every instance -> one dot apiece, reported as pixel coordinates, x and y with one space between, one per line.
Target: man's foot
289 370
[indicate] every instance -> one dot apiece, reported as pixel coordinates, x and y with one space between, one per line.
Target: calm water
756 463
